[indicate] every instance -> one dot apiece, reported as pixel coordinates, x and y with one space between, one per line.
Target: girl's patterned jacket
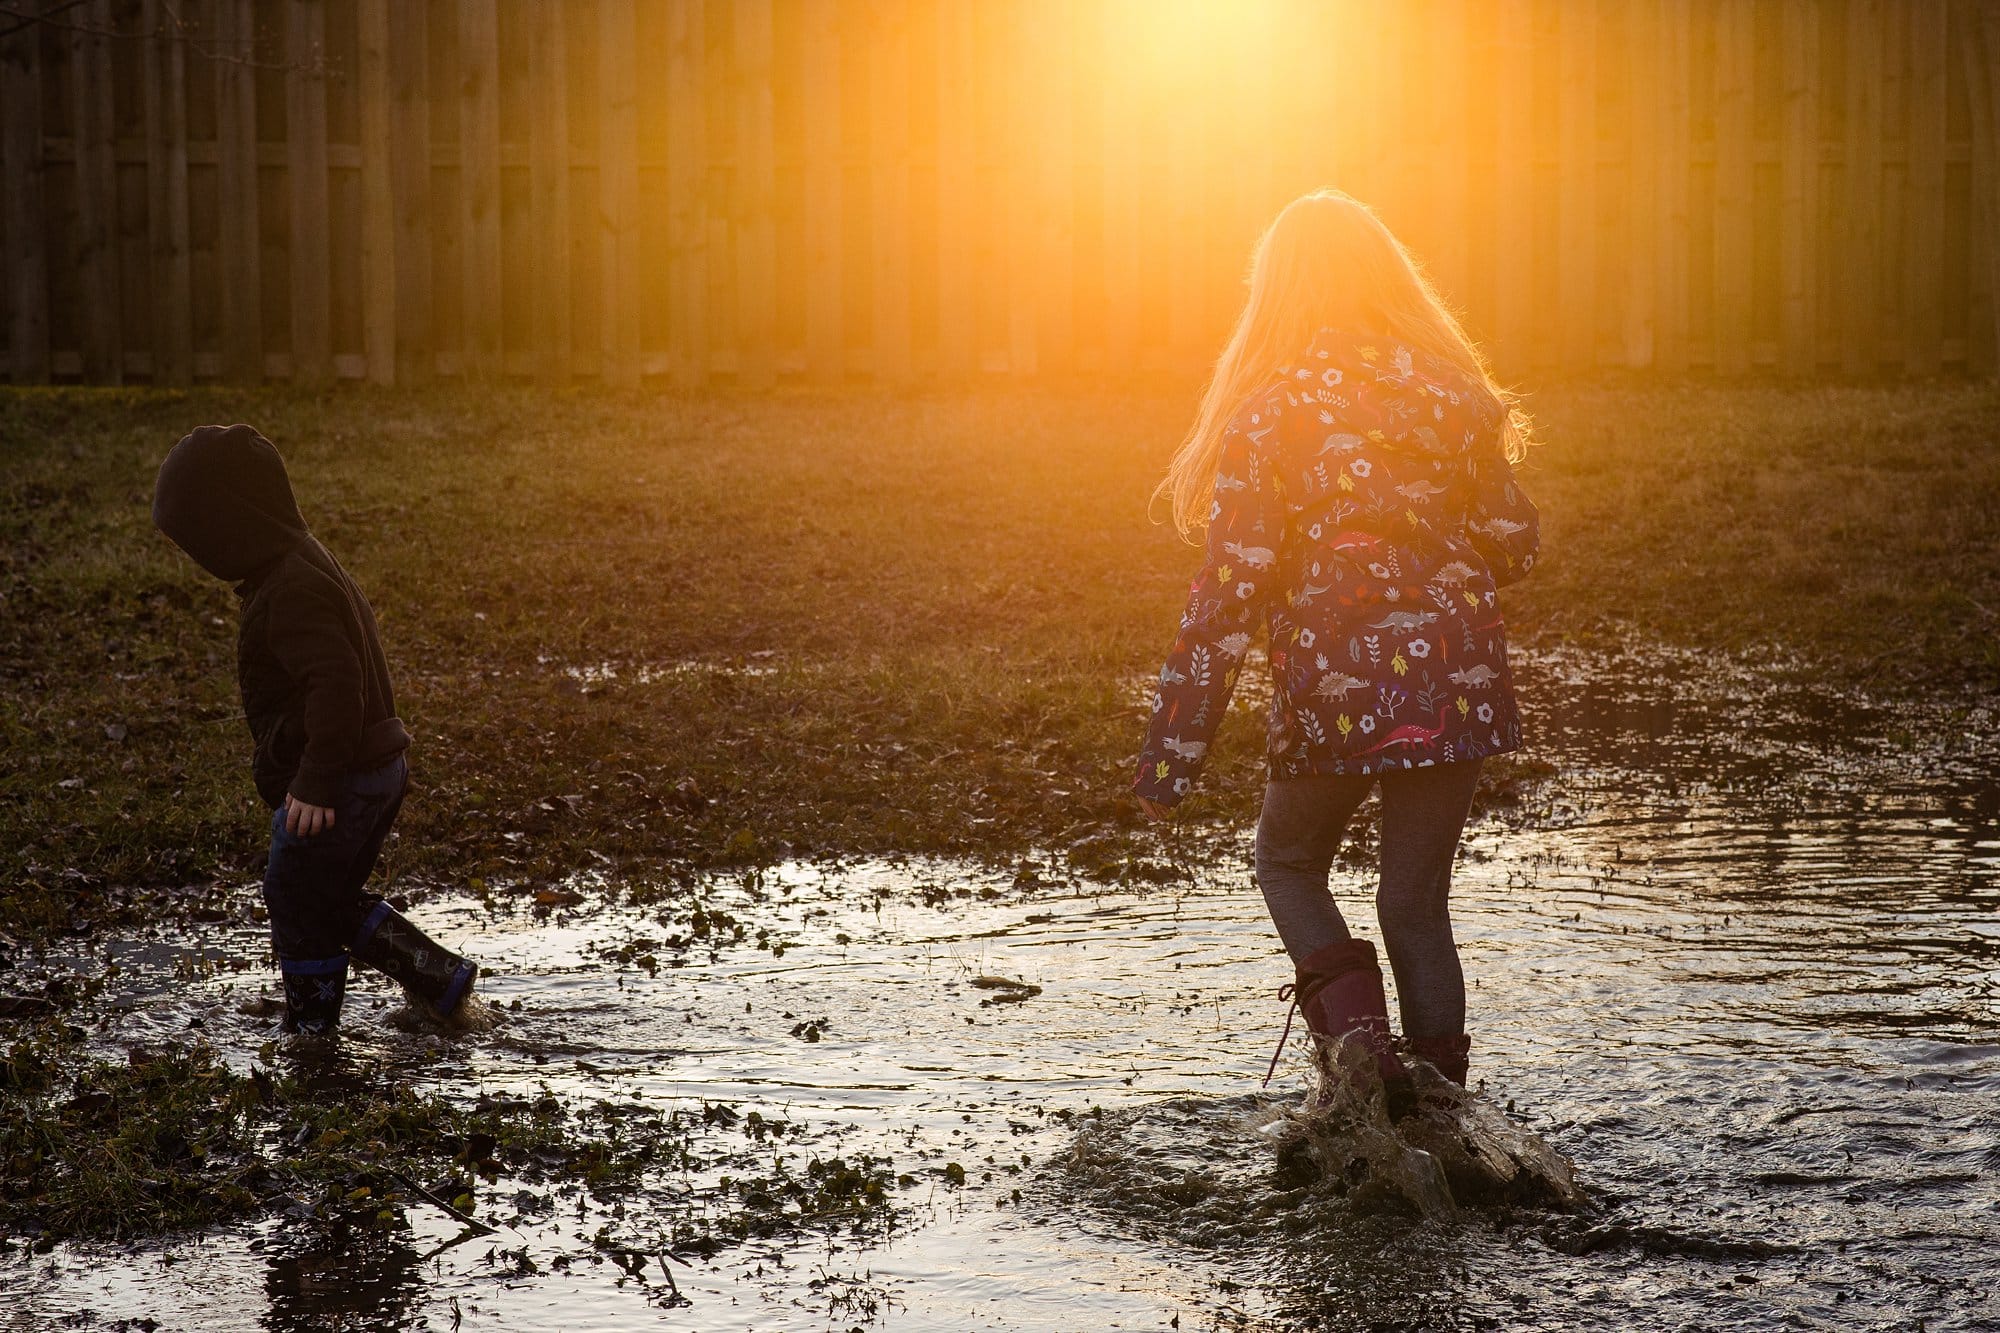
1364 509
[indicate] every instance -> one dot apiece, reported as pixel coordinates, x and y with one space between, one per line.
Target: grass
648 635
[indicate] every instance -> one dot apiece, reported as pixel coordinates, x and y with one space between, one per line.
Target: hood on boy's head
223 497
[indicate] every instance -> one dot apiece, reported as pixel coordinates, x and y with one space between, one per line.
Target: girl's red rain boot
1447 1055
1339 990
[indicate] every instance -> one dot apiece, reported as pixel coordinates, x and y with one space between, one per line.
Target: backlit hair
1326 261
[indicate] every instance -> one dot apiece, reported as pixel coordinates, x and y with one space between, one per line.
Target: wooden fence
744 190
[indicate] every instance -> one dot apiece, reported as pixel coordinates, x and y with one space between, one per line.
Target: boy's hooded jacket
1365 510
315 686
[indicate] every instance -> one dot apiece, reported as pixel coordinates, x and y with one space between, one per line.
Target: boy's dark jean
313 888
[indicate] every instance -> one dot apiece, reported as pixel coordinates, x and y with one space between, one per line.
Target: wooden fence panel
622 190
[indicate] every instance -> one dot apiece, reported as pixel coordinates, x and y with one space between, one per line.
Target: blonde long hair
1325 261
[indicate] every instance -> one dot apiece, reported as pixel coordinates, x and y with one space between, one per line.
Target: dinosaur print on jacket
1365 514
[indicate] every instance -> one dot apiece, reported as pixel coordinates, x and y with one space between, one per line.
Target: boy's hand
303 819
1154 810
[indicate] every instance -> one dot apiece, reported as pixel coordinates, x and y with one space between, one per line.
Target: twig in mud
478 1227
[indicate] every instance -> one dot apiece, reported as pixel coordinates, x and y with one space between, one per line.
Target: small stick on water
478 1227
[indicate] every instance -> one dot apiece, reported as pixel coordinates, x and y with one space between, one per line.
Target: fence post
957 177
618 188
548 186
410 147
25 205
687 194
1576 255
1735 35
754 233
101 320
889 188
310 250
238 238
1979 49
1923 227
826 341
378 199
1861 313
1798 170
479 187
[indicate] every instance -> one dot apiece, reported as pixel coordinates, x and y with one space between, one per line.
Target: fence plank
548 190
1670 321
1977 33
889 187
311 250
687 193
25 205
1861 322
1055 334
1923 231
1122 178
826 343
237 234
167 202
1640 64
1576 258
957 180
479 186
1445 98
1799 166
100 319
618 187
1734 253
1023 213
754 233
1513 204
410 149
378 199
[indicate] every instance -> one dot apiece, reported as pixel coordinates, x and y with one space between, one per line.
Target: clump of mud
1216 1172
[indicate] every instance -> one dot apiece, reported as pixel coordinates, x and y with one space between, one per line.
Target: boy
329 746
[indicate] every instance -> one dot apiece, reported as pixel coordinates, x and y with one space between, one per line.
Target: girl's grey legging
1423 813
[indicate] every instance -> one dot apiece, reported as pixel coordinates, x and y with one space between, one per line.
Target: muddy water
1740 963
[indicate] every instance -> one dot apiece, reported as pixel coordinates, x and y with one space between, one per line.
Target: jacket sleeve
1226 604
308 634
1501 522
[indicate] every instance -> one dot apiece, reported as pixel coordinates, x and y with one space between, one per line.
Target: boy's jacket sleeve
310 640
1501 522
1226 604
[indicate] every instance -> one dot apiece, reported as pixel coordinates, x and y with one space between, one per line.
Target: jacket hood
223 497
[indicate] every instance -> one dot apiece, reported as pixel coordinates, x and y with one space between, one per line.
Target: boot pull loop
1285 992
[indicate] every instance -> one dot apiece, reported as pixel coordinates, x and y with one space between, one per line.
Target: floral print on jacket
1363 510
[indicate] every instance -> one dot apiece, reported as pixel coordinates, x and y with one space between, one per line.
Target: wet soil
1735 960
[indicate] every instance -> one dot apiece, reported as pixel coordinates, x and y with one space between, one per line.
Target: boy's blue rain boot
314 989
426 969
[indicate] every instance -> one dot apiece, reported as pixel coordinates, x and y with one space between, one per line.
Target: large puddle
1737 963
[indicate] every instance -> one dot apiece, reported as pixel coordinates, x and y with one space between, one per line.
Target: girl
1350 463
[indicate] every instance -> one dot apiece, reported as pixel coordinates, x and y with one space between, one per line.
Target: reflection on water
1737 963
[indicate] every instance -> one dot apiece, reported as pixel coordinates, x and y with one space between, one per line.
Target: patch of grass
648 635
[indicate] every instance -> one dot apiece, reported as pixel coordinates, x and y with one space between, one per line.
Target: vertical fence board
1513 204
1055 134
167 203
1022 213
1576 260
618 188
1734 252
1978 34
1860 325
1121 178
311 251
889 188
957 140
1923 232
826 358
548 191
1644 127
378 200
1670 322
479 187
237 238
754 235
1798 323
410 158
96 194
25 205
687 178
